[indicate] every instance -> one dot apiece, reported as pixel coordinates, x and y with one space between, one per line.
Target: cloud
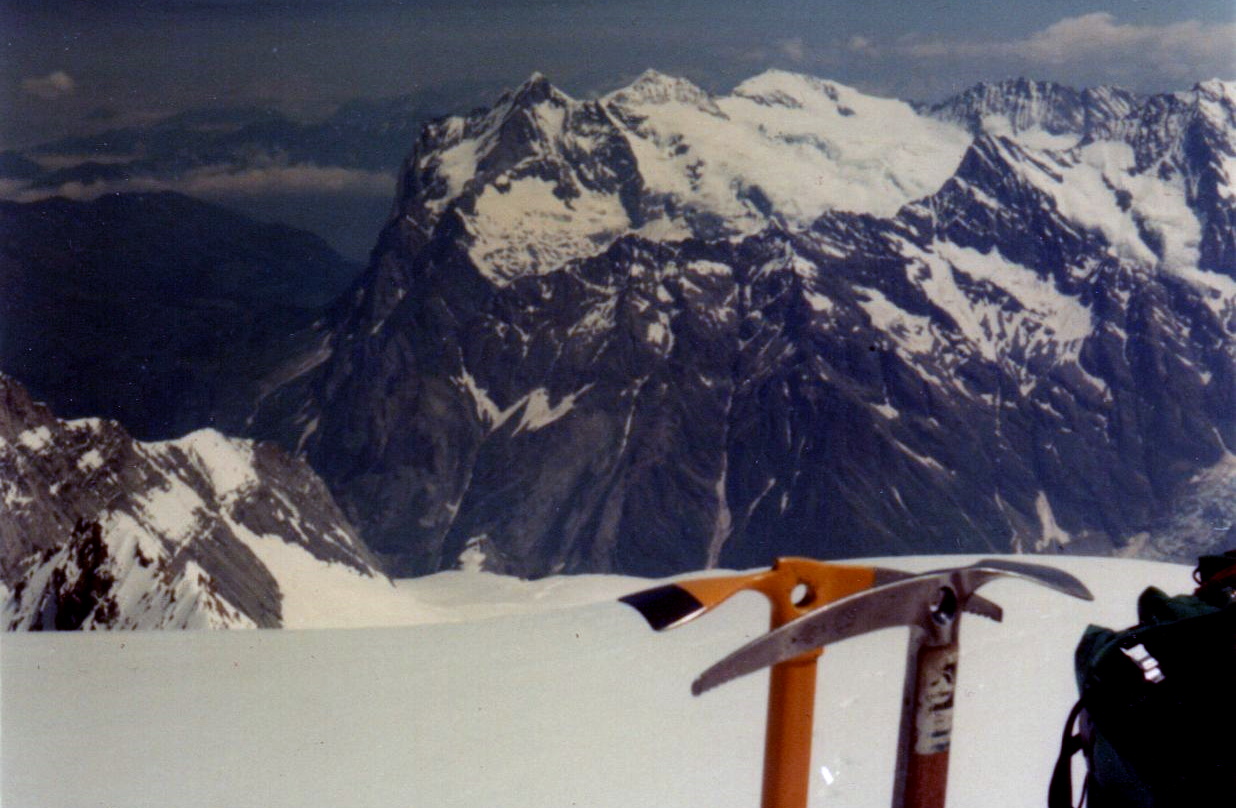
1178 49
287 179
223 181
793 49
862 45
1083 37
50 87
794 52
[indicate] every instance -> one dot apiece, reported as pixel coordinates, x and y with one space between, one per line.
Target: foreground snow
317 595
542 694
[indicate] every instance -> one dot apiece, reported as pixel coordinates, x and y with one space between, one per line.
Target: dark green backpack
1156 720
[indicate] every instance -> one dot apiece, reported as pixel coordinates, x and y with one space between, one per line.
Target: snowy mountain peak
653 87
796 90
1021 87
524 152
1217 88
1041 113
1216 100
651 77
540 177
1093 192
536 89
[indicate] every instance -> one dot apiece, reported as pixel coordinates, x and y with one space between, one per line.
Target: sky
71 66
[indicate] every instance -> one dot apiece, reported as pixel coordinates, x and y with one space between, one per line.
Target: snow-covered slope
541 178
98 530
782 147
540 706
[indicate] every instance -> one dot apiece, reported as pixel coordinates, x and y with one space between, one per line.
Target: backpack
1156 717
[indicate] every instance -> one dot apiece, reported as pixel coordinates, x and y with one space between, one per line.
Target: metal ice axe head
793 586
930 605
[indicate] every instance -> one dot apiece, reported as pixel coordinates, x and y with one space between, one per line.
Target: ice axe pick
930 605
794 587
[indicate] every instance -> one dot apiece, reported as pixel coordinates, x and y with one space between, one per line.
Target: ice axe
794 587
930 605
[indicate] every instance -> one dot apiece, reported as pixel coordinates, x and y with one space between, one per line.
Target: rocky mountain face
156 310
662 329
1020 107
98 530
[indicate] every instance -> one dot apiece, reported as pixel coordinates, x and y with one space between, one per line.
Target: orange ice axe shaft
794 587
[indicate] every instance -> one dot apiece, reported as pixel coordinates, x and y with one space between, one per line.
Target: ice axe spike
929 604
794 587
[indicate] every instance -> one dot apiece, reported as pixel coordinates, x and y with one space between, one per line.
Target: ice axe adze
929 604
795 587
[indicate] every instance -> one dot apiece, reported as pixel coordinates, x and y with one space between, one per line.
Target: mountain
662 329
1055 113
542 178
154 309
1185 140
101 531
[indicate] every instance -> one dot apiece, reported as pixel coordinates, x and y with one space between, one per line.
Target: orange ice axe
930 604
794 587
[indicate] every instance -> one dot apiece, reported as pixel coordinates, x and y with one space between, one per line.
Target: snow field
548 693
523 229
808 145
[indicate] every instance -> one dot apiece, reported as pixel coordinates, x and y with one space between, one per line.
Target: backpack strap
1060 792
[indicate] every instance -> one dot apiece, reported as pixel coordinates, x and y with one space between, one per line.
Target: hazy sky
70 64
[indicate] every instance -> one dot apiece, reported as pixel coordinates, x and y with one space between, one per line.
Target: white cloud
862 45
221 181
1180 49
796 51
793 49
1085 37
287 179
50 87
